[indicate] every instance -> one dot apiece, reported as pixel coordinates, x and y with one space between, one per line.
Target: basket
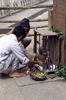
37 75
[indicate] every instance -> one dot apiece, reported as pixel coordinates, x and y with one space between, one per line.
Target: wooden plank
27 7
53 48
5 31
46 32
18 21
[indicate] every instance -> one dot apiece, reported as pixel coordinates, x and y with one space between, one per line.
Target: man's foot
4 75
17 74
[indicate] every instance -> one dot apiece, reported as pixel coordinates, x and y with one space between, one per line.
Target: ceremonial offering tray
37 75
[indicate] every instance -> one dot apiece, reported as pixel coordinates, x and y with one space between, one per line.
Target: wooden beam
27 7
39 20
39 26
6 30
17 21
9 28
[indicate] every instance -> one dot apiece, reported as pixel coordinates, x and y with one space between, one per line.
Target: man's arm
16 49
35 62
31 56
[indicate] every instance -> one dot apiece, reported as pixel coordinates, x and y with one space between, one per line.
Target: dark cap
25 23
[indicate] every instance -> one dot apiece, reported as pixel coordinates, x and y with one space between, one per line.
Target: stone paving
51 89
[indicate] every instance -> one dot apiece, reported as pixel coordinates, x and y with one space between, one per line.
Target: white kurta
8 45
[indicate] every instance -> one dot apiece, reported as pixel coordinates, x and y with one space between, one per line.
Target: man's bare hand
40 63
40 57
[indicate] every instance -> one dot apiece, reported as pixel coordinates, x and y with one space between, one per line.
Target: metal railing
15 3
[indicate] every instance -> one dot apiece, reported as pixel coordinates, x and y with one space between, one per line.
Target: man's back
9 44
5 45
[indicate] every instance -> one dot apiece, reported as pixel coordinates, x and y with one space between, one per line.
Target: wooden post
50 18
35 41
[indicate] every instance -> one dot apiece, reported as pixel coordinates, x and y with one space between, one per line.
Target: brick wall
59 22
59 17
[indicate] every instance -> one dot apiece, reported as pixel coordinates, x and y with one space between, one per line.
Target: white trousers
10 64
